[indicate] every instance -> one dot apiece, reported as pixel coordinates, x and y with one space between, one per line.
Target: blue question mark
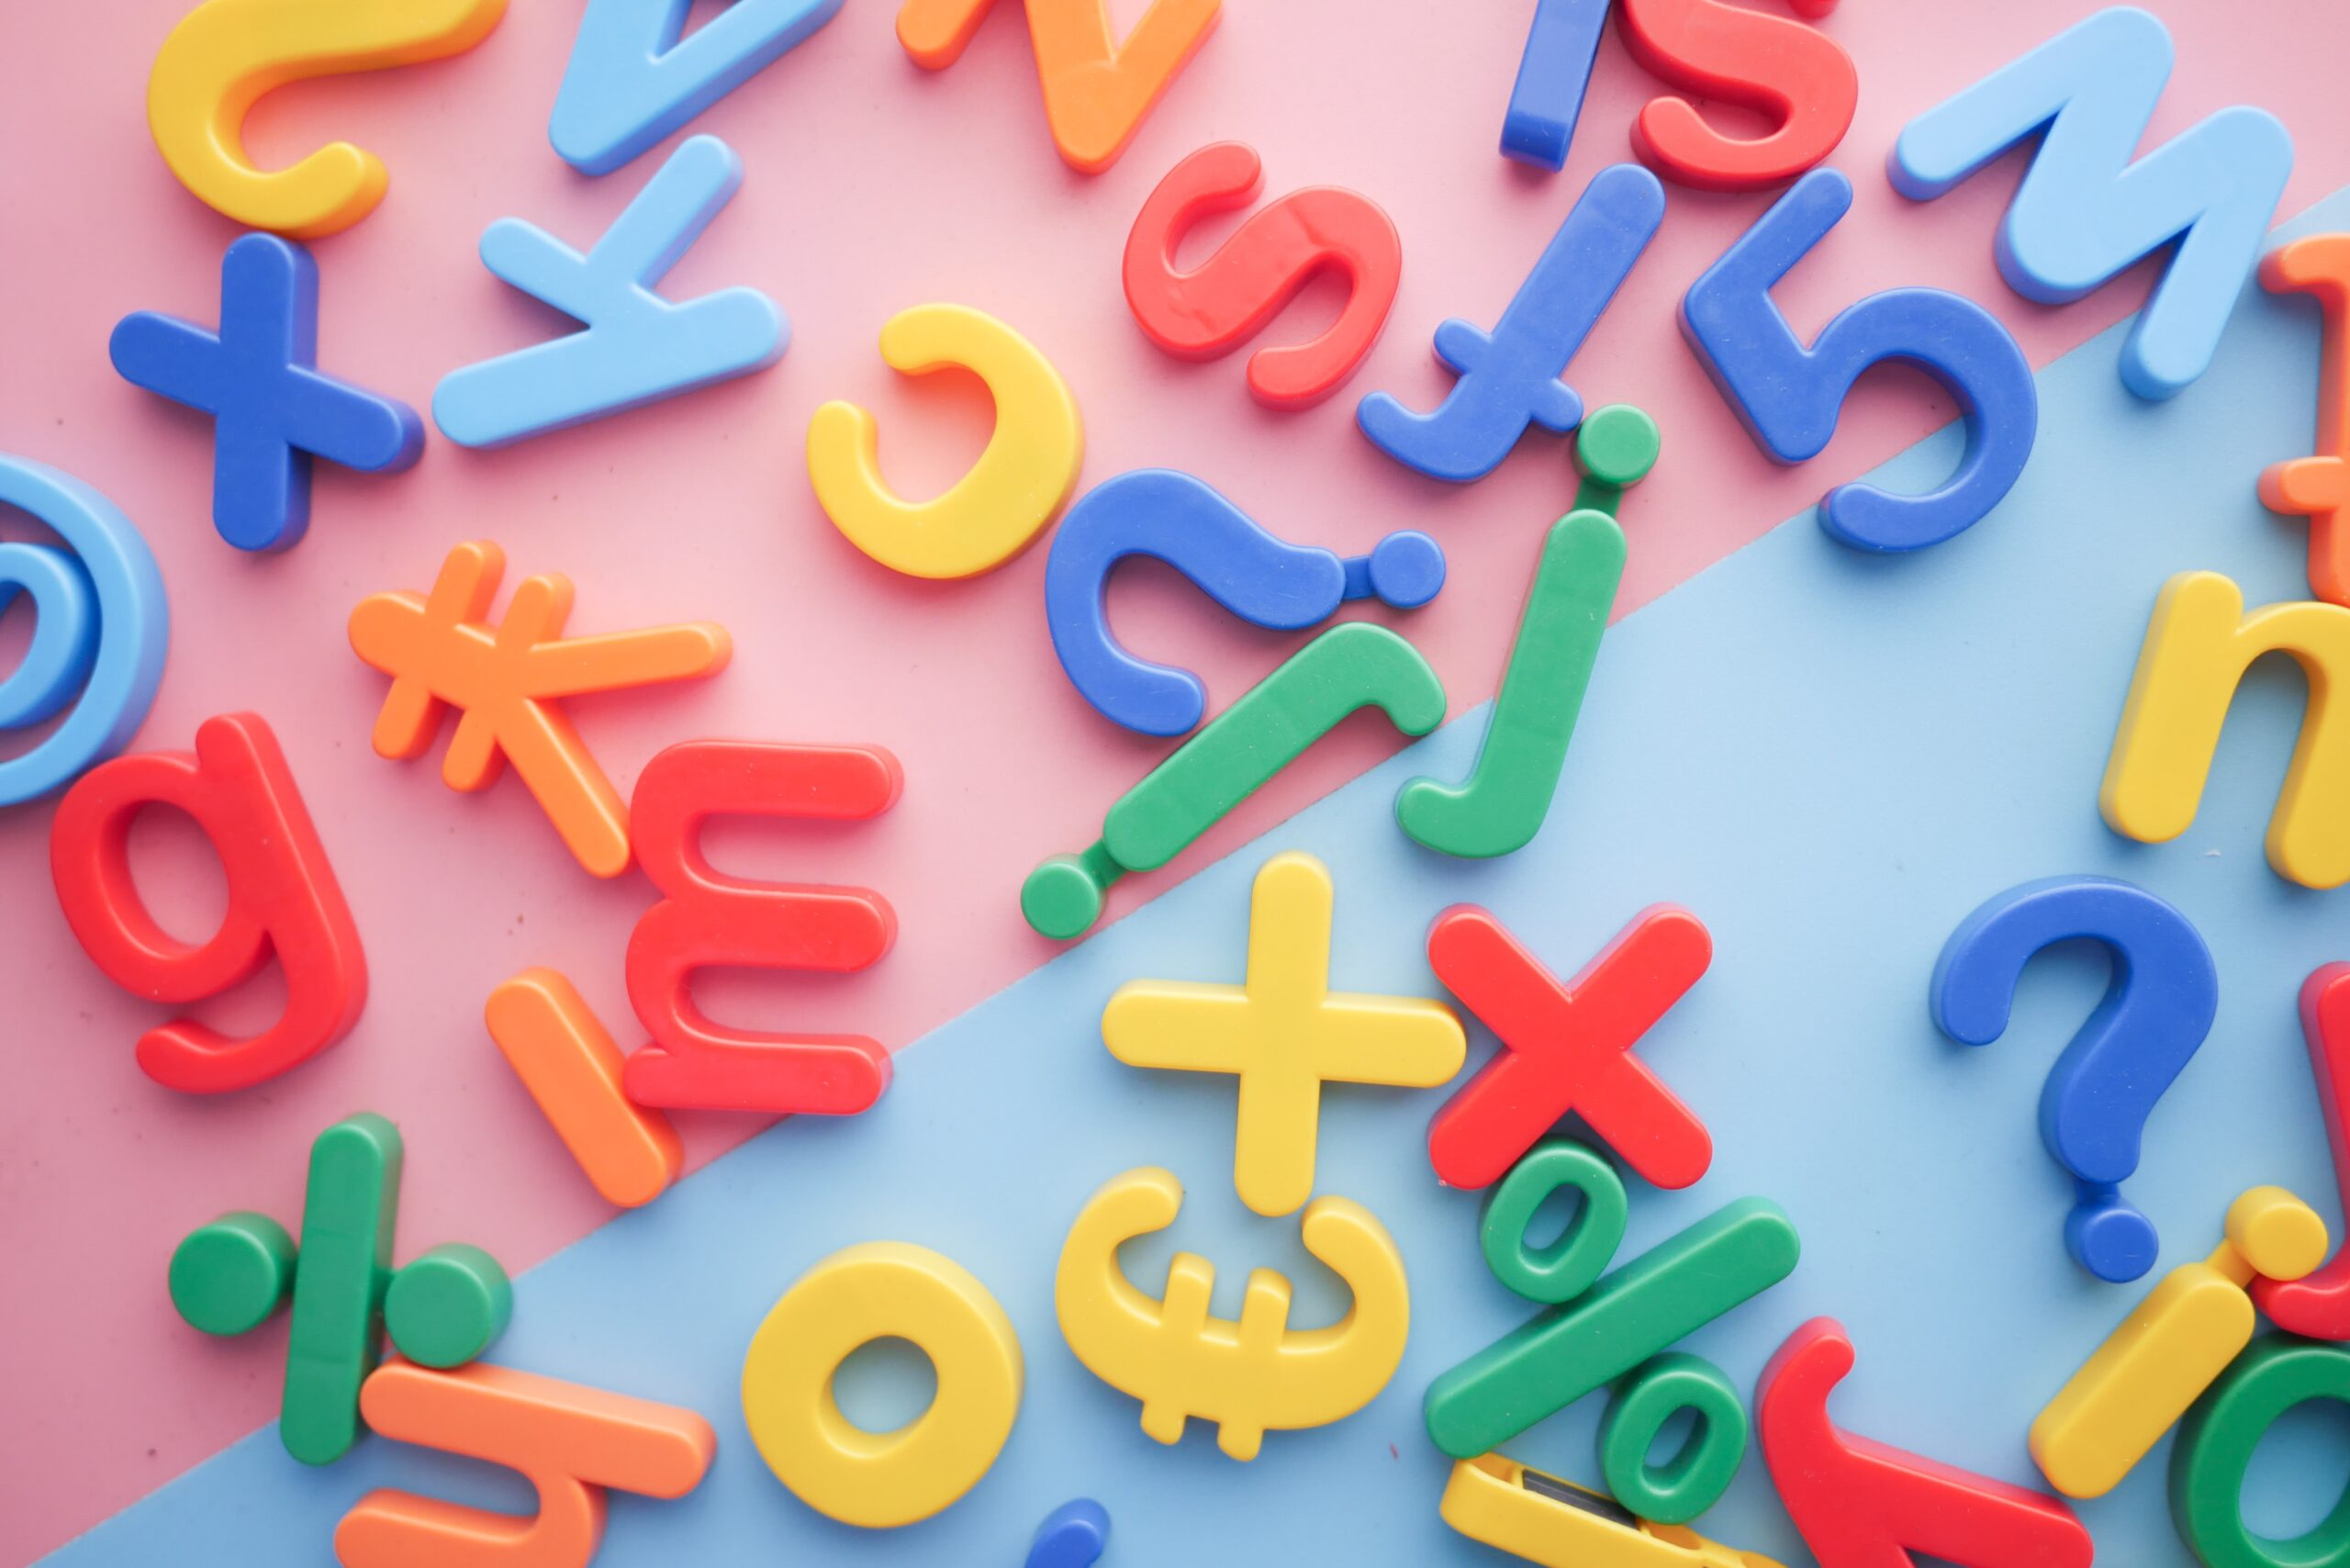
2155 1014
1177 519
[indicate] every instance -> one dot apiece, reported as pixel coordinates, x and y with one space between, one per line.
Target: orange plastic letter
2318 487
709 918
1096 90
571 1069
569 1441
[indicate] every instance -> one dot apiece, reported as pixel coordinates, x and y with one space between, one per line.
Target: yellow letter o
875 1291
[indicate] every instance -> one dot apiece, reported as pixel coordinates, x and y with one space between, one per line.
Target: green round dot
445 1309
1060 898
1617 445
229 1276
1698 1475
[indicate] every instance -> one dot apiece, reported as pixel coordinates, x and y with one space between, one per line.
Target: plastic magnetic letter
638 347
2318 1306
1707 1461
1790 74
258 378
564 1056
2171 1347
1283 1033
1212 309
876 1290
283 899
440 652
1568 1046
1268 727
1175 519
706 917
1510 378
101 624
1552 75
1859 1503
634 78
1072 1536
1249 1375
1789 396
2084 212
1550 1521
226 54
1500 806
1096 89
2220 1436
570 1442
2156 1011
1011 492
2199 645
2318 487
1575 1348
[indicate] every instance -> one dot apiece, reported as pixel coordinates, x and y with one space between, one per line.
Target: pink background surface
871 186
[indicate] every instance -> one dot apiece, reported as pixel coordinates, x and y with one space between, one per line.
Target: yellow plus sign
1284 1034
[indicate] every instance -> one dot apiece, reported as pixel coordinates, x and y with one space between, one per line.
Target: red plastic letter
2318 1306
1861 1504
1785 70
1568 1047
282 896
710 918
1230 298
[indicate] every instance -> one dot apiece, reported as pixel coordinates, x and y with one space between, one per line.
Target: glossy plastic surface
1568 1046
2155 1014
1237 562
2318 487
638 346
2199 643
2318 1305
1250 1375
283 900
1210 309
1510 378
2221 1435
507 678
272 408
1283 1033
572 1067
1793 76
2085 212
1790 397
707 918
1072 1536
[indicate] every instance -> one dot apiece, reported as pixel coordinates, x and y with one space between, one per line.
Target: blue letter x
271 408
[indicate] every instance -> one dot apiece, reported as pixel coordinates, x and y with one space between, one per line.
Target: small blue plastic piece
1789 396
634 78
101 627
1175 518
2084 211
1551 76
639 347
1072 1536
258 378
1512 377
2155 1014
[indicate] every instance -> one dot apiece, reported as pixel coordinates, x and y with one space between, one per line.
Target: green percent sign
1500 806
1595 1331
230 1276
1348 667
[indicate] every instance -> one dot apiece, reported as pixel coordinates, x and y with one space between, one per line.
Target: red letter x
1568 1047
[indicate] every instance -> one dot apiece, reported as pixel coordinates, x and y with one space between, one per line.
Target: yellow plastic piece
874 1291
1248 1376
2199 645
1560 1525
1015 488
1283 1033
226 54
2171 1347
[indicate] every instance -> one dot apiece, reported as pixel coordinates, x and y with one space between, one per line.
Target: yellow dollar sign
1248 1376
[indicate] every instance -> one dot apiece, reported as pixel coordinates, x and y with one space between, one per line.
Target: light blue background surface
1831 758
